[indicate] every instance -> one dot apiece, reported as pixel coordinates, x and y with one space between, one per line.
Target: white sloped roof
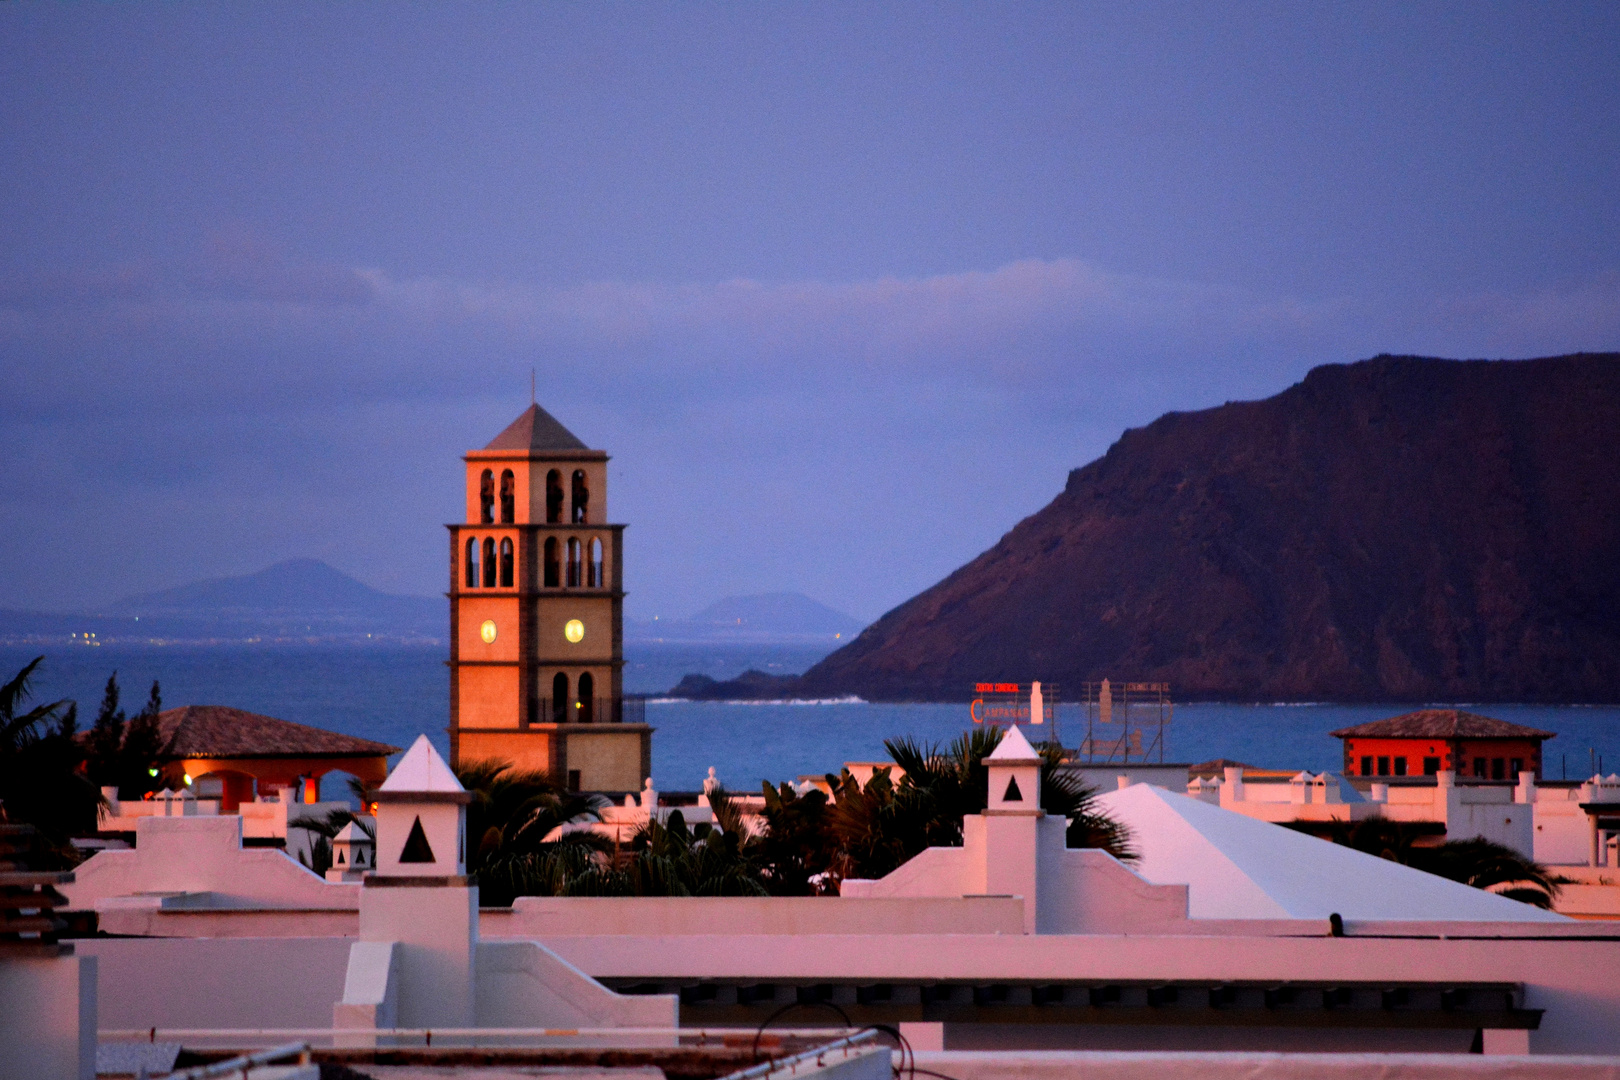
1013 749
1238 867
421 769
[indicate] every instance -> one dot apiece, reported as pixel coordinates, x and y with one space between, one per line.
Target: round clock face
487 631
574 631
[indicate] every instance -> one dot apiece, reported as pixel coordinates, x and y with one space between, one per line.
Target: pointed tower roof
421 771
1013 749
536 431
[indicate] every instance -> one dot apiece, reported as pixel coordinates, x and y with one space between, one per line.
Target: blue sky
845 289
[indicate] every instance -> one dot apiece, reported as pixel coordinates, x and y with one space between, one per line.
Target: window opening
1431 766
554 497
488 562
417 849
553 565
587 699
486 498
559 698
574 560
1012 794
1366 766
1383 766
506 564
1515 767
573 779
1498 769
472 563
508 497
596 581
581 496
1400 766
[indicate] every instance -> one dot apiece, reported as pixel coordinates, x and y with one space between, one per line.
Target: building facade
1432 741
537 614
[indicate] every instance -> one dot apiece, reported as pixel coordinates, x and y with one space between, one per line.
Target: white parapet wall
1543 822
198 864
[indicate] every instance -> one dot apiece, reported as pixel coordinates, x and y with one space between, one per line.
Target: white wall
203 855
567 916
48 1017
523 984
1572 979
205 983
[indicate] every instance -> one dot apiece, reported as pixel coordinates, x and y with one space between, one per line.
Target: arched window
559 698
486 498
508 497
554 497
506 564
472 563
587 699
489 562
582 496
595 567
575 559
553 564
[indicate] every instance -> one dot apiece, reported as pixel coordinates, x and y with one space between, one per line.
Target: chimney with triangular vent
422 818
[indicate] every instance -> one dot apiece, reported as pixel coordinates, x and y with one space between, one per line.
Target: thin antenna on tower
532 399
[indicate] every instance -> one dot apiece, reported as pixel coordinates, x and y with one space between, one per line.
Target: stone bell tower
537 614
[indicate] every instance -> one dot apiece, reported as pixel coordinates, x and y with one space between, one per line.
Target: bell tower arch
537 611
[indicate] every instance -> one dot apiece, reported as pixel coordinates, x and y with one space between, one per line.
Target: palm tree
40 755
670 859
798 850
882 824
510 827
1479 862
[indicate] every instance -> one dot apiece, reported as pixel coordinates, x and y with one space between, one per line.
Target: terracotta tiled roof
1441 724
214 731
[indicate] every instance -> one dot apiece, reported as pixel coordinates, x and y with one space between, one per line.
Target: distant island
780 618
1400 529
292 601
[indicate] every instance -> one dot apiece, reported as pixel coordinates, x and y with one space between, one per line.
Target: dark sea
395 692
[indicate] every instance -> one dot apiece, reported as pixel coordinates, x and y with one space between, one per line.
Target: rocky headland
1400 529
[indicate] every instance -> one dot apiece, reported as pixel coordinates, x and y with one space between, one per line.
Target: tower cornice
535 455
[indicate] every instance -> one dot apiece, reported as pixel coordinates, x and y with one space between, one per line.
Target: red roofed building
1431 741
242 747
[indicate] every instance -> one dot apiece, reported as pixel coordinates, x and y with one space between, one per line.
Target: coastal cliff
1397 529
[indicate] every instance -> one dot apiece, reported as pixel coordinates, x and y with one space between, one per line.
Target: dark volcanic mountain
1398 529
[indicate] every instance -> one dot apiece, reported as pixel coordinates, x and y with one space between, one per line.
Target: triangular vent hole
417 849
340 856
1013 794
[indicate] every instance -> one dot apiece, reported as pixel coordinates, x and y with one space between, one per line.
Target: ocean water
394 693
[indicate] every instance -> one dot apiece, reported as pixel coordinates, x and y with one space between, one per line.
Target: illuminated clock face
574 631
487 631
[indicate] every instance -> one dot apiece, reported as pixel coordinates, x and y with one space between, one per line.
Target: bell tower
537 614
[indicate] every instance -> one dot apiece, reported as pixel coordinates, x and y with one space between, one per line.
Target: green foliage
882 825
106 738
798 849
512 814
143 742
40 755
807 845
122 752
672 860
1479 862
